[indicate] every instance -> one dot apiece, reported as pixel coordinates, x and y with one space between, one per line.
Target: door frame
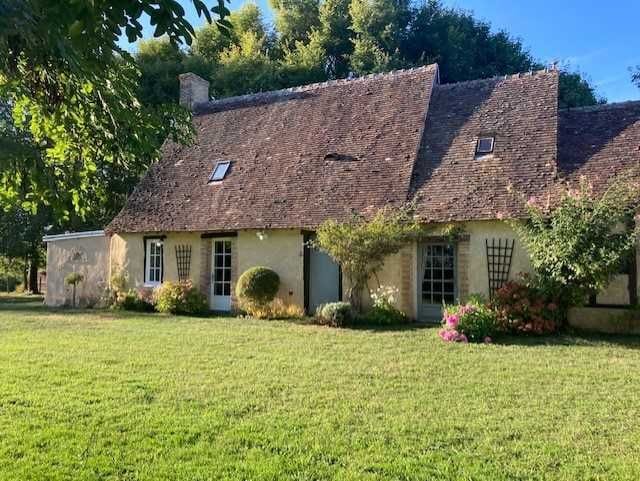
420 275
212 273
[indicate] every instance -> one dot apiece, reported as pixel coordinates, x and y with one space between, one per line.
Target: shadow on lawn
573 338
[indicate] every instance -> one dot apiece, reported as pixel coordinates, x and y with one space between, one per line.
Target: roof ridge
313 86
594 108
530 73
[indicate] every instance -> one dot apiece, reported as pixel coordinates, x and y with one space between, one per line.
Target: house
266 169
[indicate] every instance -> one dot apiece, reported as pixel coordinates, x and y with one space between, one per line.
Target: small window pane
219 171
485 145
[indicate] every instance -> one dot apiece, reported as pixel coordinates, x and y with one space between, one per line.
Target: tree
576 91
295 19
578 244
360 245
72 91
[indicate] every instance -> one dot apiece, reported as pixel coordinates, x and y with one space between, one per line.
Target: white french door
220 299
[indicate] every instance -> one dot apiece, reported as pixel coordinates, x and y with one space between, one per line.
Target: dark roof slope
520 111
599 142
281 145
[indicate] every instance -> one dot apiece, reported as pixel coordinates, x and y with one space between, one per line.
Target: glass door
221 275
438 279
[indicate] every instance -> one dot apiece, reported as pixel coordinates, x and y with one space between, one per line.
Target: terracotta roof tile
599 142
278 143
451 183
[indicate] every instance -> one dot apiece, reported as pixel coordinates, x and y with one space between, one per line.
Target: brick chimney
194 90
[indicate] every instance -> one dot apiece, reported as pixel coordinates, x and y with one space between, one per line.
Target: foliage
522 308
315 41
576 91
334 314
470 322
134 300
384 310
256 288
578 243
276 309
360 245
179 298
77 137
73 278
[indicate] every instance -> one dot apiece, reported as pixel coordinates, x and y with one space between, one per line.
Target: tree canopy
314 40
74 134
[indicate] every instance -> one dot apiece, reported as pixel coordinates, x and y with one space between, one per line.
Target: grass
115 396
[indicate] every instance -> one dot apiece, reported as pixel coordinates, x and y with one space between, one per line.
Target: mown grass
115 396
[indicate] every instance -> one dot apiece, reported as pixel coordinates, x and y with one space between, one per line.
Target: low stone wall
608 320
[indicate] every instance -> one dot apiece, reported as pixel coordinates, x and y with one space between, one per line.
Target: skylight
219 171
484 146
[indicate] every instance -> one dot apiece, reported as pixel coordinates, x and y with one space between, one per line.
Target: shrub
524 307
256 288
73 279
362 244
180 298
471 322
384 310
132 300
575 244
277 309
334 314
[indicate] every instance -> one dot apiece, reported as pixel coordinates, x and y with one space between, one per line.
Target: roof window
219 171
484 146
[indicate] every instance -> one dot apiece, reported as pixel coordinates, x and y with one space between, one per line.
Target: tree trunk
33 272
25 274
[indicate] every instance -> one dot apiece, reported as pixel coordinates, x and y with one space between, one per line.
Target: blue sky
601 39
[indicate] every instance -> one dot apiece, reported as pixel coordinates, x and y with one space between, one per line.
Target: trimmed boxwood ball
257 286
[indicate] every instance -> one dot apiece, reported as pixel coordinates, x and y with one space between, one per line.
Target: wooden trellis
499 254
183 259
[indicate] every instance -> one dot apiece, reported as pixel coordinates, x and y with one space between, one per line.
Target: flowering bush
384 310
180 298
134 300
522 307
334 314
471 322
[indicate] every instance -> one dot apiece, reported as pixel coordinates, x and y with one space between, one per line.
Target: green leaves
576 246
361 245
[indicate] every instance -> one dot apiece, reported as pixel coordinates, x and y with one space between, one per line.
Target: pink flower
452 321
488 340
462 338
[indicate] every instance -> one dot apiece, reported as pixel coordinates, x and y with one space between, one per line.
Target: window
219 171
222 268
484 146
154 263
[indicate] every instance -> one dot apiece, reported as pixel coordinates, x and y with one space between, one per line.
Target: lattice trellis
499 254
183 259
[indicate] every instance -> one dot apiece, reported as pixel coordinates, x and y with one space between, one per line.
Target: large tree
72 91
315 41
74 134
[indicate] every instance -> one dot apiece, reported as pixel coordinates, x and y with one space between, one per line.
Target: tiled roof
281 145
307 154
451 182
599 142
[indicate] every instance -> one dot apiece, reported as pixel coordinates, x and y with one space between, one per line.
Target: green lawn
103 395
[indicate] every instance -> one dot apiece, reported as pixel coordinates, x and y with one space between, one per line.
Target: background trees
314 40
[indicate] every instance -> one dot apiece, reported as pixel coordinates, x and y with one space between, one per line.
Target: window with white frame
153 262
